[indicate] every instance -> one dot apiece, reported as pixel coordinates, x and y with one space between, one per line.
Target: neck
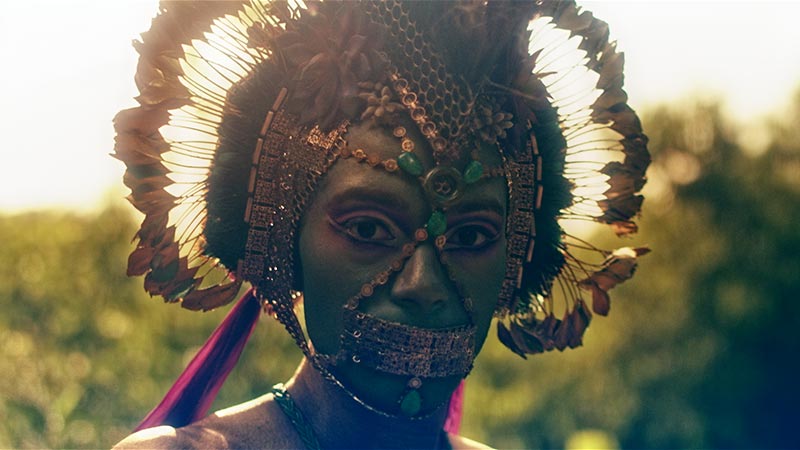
341 422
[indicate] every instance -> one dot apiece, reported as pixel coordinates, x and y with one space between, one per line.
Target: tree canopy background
700 349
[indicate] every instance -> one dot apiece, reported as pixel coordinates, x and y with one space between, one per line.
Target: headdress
245 105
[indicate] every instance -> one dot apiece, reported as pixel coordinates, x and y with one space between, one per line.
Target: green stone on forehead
473 172
411 404
410 163
437 224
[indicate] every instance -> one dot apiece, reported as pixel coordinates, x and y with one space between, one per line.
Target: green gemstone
437 224
473 172
411 403
410 163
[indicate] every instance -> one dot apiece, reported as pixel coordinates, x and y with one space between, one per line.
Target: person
400 168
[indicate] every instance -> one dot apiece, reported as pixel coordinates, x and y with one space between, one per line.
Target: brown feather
563 332
139 261
210 298
580 320
620 208
504 335
624 227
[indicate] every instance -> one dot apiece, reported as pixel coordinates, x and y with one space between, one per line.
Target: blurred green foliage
700 349
85 352
699 352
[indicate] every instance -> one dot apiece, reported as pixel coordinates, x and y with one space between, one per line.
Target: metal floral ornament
330 56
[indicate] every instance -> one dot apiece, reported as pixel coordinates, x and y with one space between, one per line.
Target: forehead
351 180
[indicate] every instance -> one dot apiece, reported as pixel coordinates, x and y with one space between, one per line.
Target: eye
365 229
471 236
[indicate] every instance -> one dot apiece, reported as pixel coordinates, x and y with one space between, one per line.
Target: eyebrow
369 194
392 202
478 205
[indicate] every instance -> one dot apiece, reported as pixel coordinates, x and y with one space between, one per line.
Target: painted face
356 226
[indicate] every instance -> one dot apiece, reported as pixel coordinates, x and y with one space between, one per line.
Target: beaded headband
223 191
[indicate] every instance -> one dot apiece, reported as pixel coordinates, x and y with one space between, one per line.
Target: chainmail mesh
447 102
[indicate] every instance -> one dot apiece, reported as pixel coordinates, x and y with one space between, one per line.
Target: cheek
332 271
332 264
322 316
483 274
481 277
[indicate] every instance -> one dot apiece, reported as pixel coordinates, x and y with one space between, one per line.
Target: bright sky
66 67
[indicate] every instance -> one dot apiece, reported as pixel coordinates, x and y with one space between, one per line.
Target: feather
637 157
581 317
139 261
624 227
610 69
183 282
523 338
152 226
608 99
146 121
601 302
562 335
622 118
619 208
504 336
621 182
618 267
212 297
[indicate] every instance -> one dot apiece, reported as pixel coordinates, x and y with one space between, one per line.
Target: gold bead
390 165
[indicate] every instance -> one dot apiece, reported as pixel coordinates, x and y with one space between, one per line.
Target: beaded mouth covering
245 105
401 349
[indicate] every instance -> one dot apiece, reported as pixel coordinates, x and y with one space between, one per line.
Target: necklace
301 425
293 413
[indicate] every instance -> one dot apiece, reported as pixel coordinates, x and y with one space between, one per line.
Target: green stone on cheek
473 172
411 403
410 163
437 224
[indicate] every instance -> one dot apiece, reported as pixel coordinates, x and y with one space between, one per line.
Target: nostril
419 304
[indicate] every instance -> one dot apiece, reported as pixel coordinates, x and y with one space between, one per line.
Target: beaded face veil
246 105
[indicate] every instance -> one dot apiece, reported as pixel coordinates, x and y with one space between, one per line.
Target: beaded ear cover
223 175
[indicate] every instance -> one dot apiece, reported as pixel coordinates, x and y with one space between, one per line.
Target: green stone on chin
473 172
437 224
410 163
411 403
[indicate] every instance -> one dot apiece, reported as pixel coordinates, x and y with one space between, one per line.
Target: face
356 226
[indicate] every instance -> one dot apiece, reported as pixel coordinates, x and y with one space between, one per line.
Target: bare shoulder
257 423
461 443
163 437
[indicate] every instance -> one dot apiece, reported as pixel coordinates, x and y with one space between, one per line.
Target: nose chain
420 236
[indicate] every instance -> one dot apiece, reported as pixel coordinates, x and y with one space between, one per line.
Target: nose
423 285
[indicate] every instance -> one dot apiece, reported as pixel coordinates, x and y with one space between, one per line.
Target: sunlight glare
67 69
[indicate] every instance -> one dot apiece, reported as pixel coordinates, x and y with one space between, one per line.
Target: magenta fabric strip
455 410
191 396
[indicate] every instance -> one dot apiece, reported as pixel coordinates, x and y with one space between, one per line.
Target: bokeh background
700 350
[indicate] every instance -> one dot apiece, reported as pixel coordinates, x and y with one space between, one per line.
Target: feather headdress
540 80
